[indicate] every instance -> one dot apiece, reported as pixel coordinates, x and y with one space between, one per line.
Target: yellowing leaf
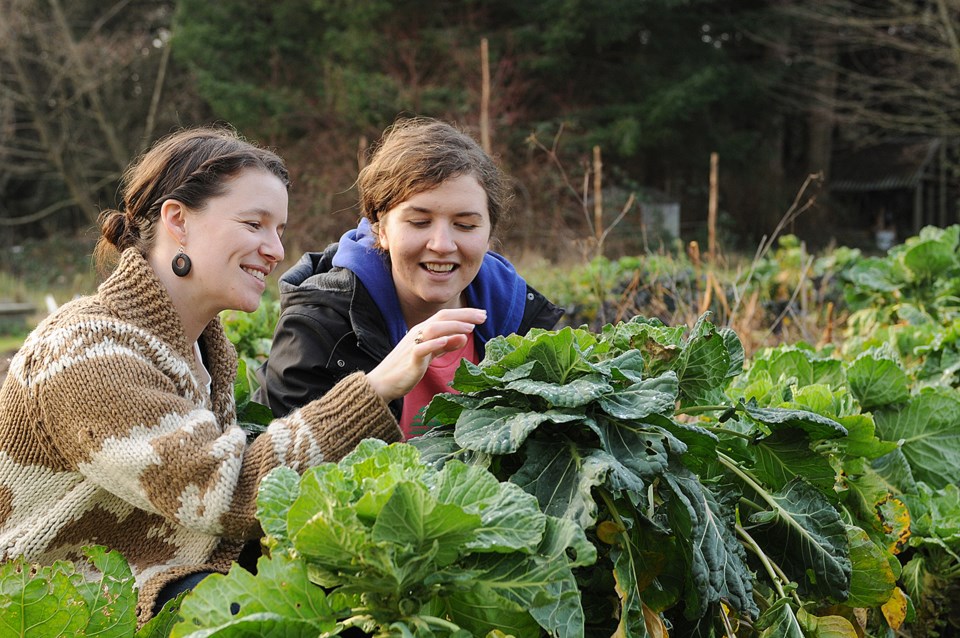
654 623
895 609
895 518
826 626
609 532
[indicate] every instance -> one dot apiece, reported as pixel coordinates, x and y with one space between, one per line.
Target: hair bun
115 228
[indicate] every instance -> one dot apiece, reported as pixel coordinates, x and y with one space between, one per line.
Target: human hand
406 364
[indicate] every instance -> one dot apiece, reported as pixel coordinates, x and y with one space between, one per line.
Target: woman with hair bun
117 416
416 275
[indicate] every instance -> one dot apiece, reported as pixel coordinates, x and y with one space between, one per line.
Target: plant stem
700 409
611 506
755 506
729 463
773 571
723 430
439 622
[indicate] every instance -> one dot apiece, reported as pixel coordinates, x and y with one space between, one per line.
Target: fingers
431 348
447 323
446 331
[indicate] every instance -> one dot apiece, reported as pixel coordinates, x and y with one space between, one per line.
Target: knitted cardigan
107 437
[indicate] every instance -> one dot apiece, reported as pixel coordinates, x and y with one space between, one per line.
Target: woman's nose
441 239
272 248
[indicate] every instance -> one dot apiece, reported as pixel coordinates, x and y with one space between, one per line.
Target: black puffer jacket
330 326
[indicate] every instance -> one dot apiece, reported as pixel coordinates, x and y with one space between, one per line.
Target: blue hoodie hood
497 288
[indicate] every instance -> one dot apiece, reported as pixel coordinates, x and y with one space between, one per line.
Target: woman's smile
436 240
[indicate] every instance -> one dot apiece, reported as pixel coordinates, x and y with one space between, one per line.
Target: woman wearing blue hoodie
414 282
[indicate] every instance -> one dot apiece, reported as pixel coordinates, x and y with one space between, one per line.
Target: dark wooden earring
181 264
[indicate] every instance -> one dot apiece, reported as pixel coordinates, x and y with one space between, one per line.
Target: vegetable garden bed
643 479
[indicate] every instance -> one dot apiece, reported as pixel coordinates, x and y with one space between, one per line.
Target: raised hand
406 364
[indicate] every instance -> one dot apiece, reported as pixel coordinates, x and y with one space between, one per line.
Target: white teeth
439 267
256 273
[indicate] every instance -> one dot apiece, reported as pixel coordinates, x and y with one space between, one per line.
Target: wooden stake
485 96
597 194
361 152
712 210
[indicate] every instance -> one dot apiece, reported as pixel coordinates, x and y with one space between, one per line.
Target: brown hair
419 154
192 166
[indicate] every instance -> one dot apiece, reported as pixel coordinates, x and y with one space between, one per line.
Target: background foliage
657 85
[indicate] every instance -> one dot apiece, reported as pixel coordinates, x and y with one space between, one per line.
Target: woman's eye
419 223
254 225
466 226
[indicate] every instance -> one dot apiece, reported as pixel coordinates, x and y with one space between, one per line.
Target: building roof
886 166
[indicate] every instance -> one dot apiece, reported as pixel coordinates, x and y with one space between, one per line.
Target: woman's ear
377 229
173 216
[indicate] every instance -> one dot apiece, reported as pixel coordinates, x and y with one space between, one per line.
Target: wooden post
942 185
712 210
361 152
485 96
597 195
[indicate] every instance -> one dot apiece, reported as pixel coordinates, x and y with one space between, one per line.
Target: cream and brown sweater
108 436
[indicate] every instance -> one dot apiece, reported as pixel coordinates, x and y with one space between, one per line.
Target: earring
181 264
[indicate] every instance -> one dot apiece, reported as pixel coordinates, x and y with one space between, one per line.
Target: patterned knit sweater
108 437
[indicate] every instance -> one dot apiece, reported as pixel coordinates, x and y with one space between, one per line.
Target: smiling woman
414 281
117 416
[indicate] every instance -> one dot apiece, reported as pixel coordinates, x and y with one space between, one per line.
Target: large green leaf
875 274
780 621
564 539
877 381
413 517
861 440
927 427
279 600
544 587
557 355
321 522
644 450
626 366
635 402
502 429
816 425
704 364
562 479
929 258
482 609
511 520
47 603
716 563
468 486
574 394
112 598
914 577
872 580
805 535
785 455
735 348
276 494
798 364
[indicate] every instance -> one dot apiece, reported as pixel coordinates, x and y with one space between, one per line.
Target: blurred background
629 127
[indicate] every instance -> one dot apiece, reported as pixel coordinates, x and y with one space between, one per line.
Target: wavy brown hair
417 155
192 166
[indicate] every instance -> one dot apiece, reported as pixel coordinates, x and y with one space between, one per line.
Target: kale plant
394 547
709 514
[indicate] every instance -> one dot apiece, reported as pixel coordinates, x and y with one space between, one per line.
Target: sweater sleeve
135 426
